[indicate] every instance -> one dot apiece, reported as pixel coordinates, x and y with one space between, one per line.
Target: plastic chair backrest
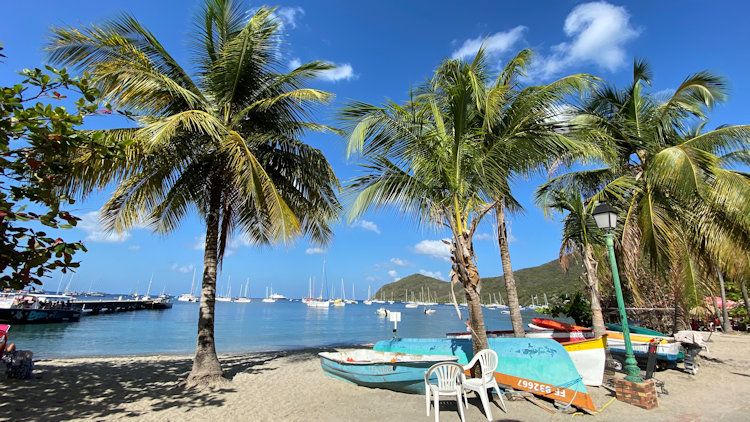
488 363
449 375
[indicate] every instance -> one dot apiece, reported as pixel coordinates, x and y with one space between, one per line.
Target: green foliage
576 307
37 139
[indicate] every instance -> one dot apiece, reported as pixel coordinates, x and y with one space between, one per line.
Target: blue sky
381 50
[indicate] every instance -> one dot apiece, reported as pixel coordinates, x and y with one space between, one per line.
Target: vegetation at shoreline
533 281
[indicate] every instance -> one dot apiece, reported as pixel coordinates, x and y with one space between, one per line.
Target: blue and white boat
540 366
392 371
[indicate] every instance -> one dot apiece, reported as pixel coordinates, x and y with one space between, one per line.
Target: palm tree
439 158
580 235
529 128
223 142
678 203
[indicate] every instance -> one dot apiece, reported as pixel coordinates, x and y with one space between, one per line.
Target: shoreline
290 385
181 355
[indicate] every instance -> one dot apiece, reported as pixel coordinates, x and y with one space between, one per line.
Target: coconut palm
580 236
224 142
678 201
440 160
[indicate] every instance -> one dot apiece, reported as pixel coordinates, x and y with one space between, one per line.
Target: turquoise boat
377 369
540 366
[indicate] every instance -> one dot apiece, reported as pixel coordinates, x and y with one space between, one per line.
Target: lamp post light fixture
606 219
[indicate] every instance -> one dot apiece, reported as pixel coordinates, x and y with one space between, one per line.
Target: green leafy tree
224 142
682 207
36 139
441 159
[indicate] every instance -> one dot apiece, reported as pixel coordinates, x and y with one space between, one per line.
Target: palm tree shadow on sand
104 389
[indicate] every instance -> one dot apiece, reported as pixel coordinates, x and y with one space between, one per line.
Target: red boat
559 326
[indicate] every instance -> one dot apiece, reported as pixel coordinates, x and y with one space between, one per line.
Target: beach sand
291 386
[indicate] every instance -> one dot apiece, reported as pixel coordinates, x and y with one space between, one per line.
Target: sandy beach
291 386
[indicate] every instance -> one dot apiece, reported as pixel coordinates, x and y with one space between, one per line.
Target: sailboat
244 298
319 303
268 299
189 297
412 303
341 302
148 291
368 301
351 301
228 297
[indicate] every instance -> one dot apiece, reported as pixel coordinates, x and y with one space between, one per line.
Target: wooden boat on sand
392 371
539 366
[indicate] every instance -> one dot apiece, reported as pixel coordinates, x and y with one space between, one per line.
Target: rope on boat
598 411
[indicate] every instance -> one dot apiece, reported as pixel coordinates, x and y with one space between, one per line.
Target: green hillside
546 278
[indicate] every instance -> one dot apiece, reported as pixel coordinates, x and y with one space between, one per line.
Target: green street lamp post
606 219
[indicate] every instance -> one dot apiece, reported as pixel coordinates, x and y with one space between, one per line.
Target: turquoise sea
240 327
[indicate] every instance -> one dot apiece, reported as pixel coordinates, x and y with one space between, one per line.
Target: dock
94 307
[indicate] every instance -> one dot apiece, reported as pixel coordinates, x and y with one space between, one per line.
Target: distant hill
546 278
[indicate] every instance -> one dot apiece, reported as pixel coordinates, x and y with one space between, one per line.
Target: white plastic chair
487 364
450 377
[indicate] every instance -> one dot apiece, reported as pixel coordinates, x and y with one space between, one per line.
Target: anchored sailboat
189 297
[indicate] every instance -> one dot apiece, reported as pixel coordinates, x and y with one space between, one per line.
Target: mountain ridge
547 278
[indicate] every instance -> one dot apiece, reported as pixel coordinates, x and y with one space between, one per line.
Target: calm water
240 327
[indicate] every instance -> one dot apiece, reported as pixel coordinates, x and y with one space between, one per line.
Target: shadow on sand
102 388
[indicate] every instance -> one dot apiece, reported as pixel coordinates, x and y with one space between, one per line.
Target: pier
94 307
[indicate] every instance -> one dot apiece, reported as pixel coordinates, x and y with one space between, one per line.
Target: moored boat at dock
31 308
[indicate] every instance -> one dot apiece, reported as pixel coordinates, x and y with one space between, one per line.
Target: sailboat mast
192 285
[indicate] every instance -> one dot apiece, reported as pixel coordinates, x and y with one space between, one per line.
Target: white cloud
288 15
199 243
340 72
598 32
183 268
433 274
494 45
433 248
367 225
512 238
483 236
134 248
399 262
315 251
393 274
96 233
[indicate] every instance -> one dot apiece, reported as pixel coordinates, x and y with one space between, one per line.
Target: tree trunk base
206 381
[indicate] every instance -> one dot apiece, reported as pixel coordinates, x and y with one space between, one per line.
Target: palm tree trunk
463 260
592 281
726 326
510 281
745 299
206 367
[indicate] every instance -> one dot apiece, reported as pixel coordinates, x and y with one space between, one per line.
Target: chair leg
437 407
485 403
460 407
500 396
427 397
